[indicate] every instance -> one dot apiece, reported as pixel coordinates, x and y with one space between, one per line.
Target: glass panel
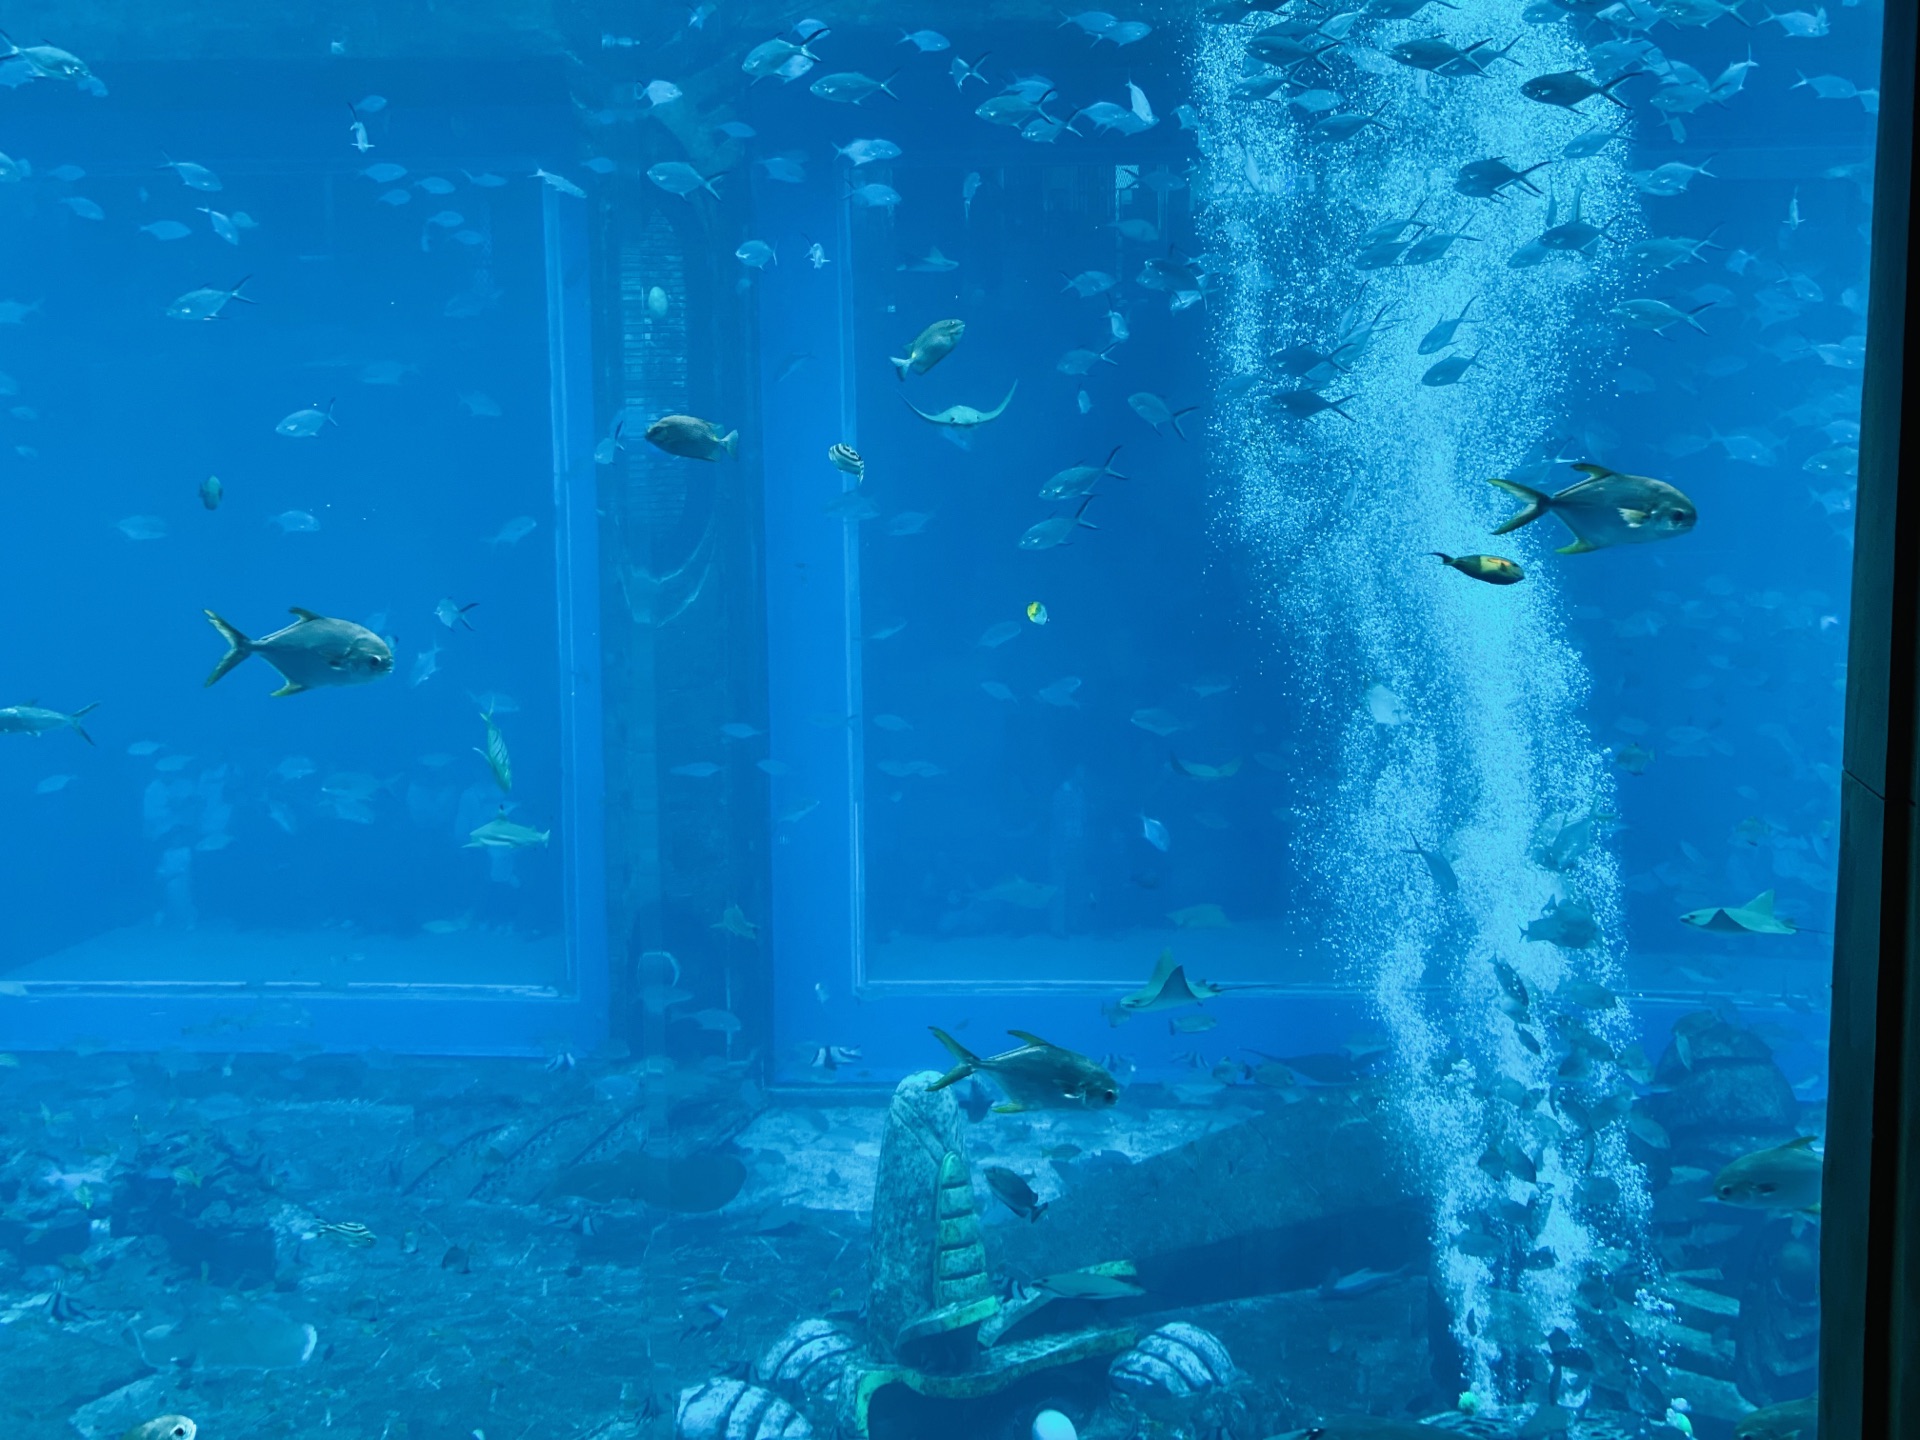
1221 633
277 380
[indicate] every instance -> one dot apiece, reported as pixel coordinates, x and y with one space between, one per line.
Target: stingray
1168 988
963 417
1756 917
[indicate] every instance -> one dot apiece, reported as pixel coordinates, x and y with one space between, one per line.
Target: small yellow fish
1037 613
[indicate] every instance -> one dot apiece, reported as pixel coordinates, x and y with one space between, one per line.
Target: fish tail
1041 1209
74 720
1536 506
1443 559
900 366
1174 419
730 442
239 647
969 1062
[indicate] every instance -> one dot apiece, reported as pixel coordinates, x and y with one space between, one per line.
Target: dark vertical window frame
1870 1273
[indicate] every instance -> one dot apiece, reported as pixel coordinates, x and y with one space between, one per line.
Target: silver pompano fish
311 653
1607 508
929 347
34 720
690 437
1037 1076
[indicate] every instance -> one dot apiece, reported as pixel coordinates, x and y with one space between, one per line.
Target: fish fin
1800 1142
295 610
1763 904
238 647
1578 547
1589 469
1635 518
1005 1107
292 687
1041 1209
1536 506
74 720
1027 1037
969 1062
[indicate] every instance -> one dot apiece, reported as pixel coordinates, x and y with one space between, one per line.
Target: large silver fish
1037 1076
312 652
1607 508
929 347
37 720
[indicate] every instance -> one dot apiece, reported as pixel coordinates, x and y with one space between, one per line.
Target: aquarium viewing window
349 387
943 722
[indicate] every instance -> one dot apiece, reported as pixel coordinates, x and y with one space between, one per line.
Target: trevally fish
1078 480
207 302
850 87
305 424
866 152
1036 1076
1156 412
930 347
1606 508
311 653
35 720
773 57
676 177
1057 530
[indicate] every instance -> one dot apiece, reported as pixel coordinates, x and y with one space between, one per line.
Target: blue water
809 763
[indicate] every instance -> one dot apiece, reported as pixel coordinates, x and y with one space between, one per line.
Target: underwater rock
1718 1093
688 1185
735 1410
924 1128
1776 1332
808 1362
1173 1370
1289 1175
